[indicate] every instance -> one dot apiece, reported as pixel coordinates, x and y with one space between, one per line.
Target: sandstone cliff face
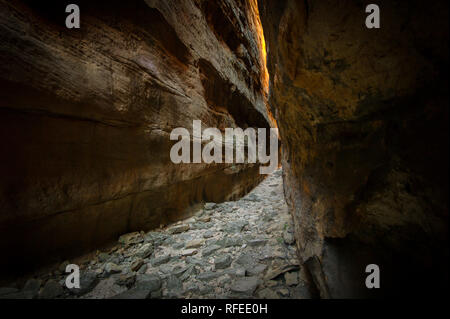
363 116
86 116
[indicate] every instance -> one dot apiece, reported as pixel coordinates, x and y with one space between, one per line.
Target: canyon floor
241 249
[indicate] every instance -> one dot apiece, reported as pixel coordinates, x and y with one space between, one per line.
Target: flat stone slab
246 285
179 229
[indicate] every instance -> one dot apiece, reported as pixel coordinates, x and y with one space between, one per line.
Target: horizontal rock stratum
86 116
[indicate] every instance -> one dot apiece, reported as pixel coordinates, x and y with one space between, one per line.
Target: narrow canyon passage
89 117
236 249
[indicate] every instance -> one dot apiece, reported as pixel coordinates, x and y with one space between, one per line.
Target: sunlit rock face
363 116
86 116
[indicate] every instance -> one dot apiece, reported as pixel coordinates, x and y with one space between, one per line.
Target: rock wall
363 116
86 116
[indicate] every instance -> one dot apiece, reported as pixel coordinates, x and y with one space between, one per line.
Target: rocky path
242 249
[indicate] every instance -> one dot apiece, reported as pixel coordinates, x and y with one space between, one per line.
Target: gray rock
111 268
210 206
301 292
174 287
246 285
256 269
160 260
206 290
252 198
174 283
210 250
62 267
204 219
126 280
148 282
223 280
284 292
8 290
195 261
189 252
278 173
237 272
116 259
134 293
208 234
178 245
102 257
131 238
222 262
178 229
88 280
271 283
52 289
156 294
200 225
246 259
185 237
268 293
143 269
169 241
230 242
166 268
236 227
156 238
136 264
18 295
192 287
33 286
275 272
257 242
196 243
208 275
145 251
179 270
188 273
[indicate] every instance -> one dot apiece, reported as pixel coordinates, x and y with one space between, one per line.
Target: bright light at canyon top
262 45
262 48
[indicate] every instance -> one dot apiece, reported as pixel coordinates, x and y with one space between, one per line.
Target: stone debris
178 229
136 265
196 243
229 250
51 290
222 262
246 285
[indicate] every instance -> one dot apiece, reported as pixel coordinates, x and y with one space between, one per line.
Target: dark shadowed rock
351 174
134 293
51 290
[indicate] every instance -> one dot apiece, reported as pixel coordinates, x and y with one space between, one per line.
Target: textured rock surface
226 265
363 116
86 116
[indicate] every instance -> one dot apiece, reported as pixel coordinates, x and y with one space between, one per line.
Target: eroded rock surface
229 250
363 116
86 116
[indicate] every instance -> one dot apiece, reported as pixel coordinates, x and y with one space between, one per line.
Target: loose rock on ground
241 249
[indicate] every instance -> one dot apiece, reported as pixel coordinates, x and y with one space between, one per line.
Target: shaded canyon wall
86 116
363 116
